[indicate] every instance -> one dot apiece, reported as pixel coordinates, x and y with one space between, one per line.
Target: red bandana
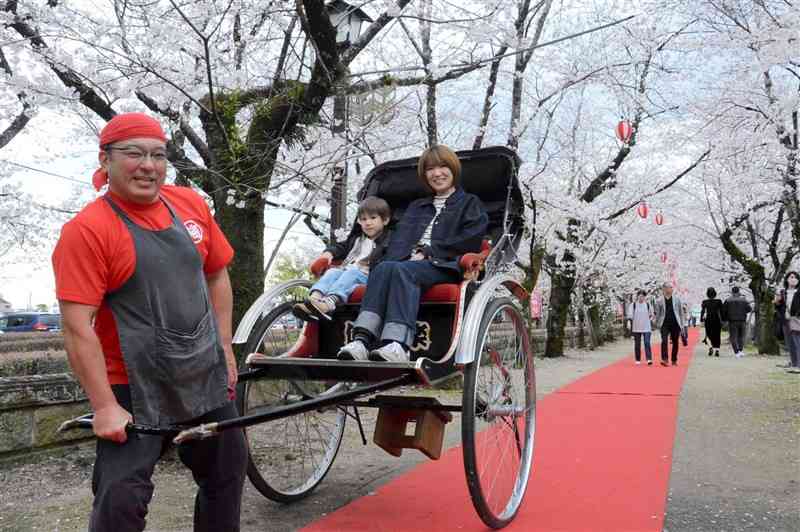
123 127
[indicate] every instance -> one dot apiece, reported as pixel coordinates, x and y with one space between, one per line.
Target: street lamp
347 20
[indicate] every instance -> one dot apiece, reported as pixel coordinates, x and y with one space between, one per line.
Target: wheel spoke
290 456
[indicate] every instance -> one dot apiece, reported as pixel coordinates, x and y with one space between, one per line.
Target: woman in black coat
711 315
787 309
425 249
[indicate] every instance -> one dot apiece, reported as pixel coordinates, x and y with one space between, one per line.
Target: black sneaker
664 363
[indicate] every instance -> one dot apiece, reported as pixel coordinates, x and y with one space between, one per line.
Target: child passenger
362 250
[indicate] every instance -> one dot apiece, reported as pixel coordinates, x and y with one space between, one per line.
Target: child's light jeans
340 282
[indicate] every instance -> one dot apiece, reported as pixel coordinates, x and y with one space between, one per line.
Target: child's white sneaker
321 308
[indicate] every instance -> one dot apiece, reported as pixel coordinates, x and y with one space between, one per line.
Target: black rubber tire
279 434
517 366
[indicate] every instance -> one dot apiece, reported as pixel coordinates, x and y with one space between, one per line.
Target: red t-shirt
95 255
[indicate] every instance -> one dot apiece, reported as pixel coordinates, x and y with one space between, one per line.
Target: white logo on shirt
195 231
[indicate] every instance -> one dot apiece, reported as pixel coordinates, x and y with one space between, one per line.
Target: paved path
736 463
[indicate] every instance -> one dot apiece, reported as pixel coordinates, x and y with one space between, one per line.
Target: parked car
30 321
288 323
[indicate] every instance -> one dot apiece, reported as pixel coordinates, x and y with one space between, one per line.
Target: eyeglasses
138 156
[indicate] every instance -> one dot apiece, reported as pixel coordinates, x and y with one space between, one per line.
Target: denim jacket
460 228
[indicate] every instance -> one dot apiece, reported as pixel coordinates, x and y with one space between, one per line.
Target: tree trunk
595 332
531 279
244 229
765 318
560 293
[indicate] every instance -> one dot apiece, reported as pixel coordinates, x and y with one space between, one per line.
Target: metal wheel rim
506 505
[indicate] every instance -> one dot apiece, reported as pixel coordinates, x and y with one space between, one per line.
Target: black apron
170 344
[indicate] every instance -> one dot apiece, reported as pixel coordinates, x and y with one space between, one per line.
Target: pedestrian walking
735 311
685 328
787 315
641 317
711 316
669 320
142 281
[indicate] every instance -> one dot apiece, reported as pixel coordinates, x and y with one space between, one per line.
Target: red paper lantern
664 257
624 131
642 210
659 219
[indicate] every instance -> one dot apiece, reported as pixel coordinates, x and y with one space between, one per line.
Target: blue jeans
340 282
637 348
390 305
792 341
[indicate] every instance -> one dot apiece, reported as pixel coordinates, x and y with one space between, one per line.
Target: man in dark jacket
735 311
670 319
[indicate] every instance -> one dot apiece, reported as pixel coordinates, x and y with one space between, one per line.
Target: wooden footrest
393 431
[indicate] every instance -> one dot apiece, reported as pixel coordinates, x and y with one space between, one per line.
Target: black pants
671 334
712 331
122 487
736 331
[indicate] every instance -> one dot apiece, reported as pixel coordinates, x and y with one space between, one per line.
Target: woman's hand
417 255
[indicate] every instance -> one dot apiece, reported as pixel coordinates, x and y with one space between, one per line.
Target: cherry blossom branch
660 189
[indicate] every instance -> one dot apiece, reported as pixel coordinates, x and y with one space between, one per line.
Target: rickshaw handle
86 422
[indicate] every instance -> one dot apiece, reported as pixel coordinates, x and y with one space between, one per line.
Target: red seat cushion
440 293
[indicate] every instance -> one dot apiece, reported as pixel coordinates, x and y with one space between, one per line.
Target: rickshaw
294 395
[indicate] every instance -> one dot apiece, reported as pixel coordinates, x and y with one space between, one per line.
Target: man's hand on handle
110 422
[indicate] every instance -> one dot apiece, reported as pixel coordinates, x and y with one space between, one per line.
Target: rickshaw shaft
211 429
377 404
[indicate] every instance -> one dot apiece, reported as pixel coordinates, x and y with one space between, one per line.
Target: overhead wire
46 172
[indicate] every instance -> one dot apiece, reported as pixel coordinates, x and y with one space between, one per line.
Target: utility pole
339 177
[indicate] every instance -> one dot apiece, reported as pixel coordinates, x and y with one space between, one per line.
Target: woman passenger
424 250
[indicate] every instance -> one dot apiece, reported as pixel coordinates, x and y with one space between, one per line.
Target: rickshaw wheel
289 457
499 415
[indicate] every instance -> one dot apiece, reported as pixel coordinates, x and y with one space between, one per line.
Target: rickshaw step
424 371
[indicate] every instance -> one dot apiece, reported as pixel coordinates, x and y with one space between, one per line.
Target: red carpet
602 461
